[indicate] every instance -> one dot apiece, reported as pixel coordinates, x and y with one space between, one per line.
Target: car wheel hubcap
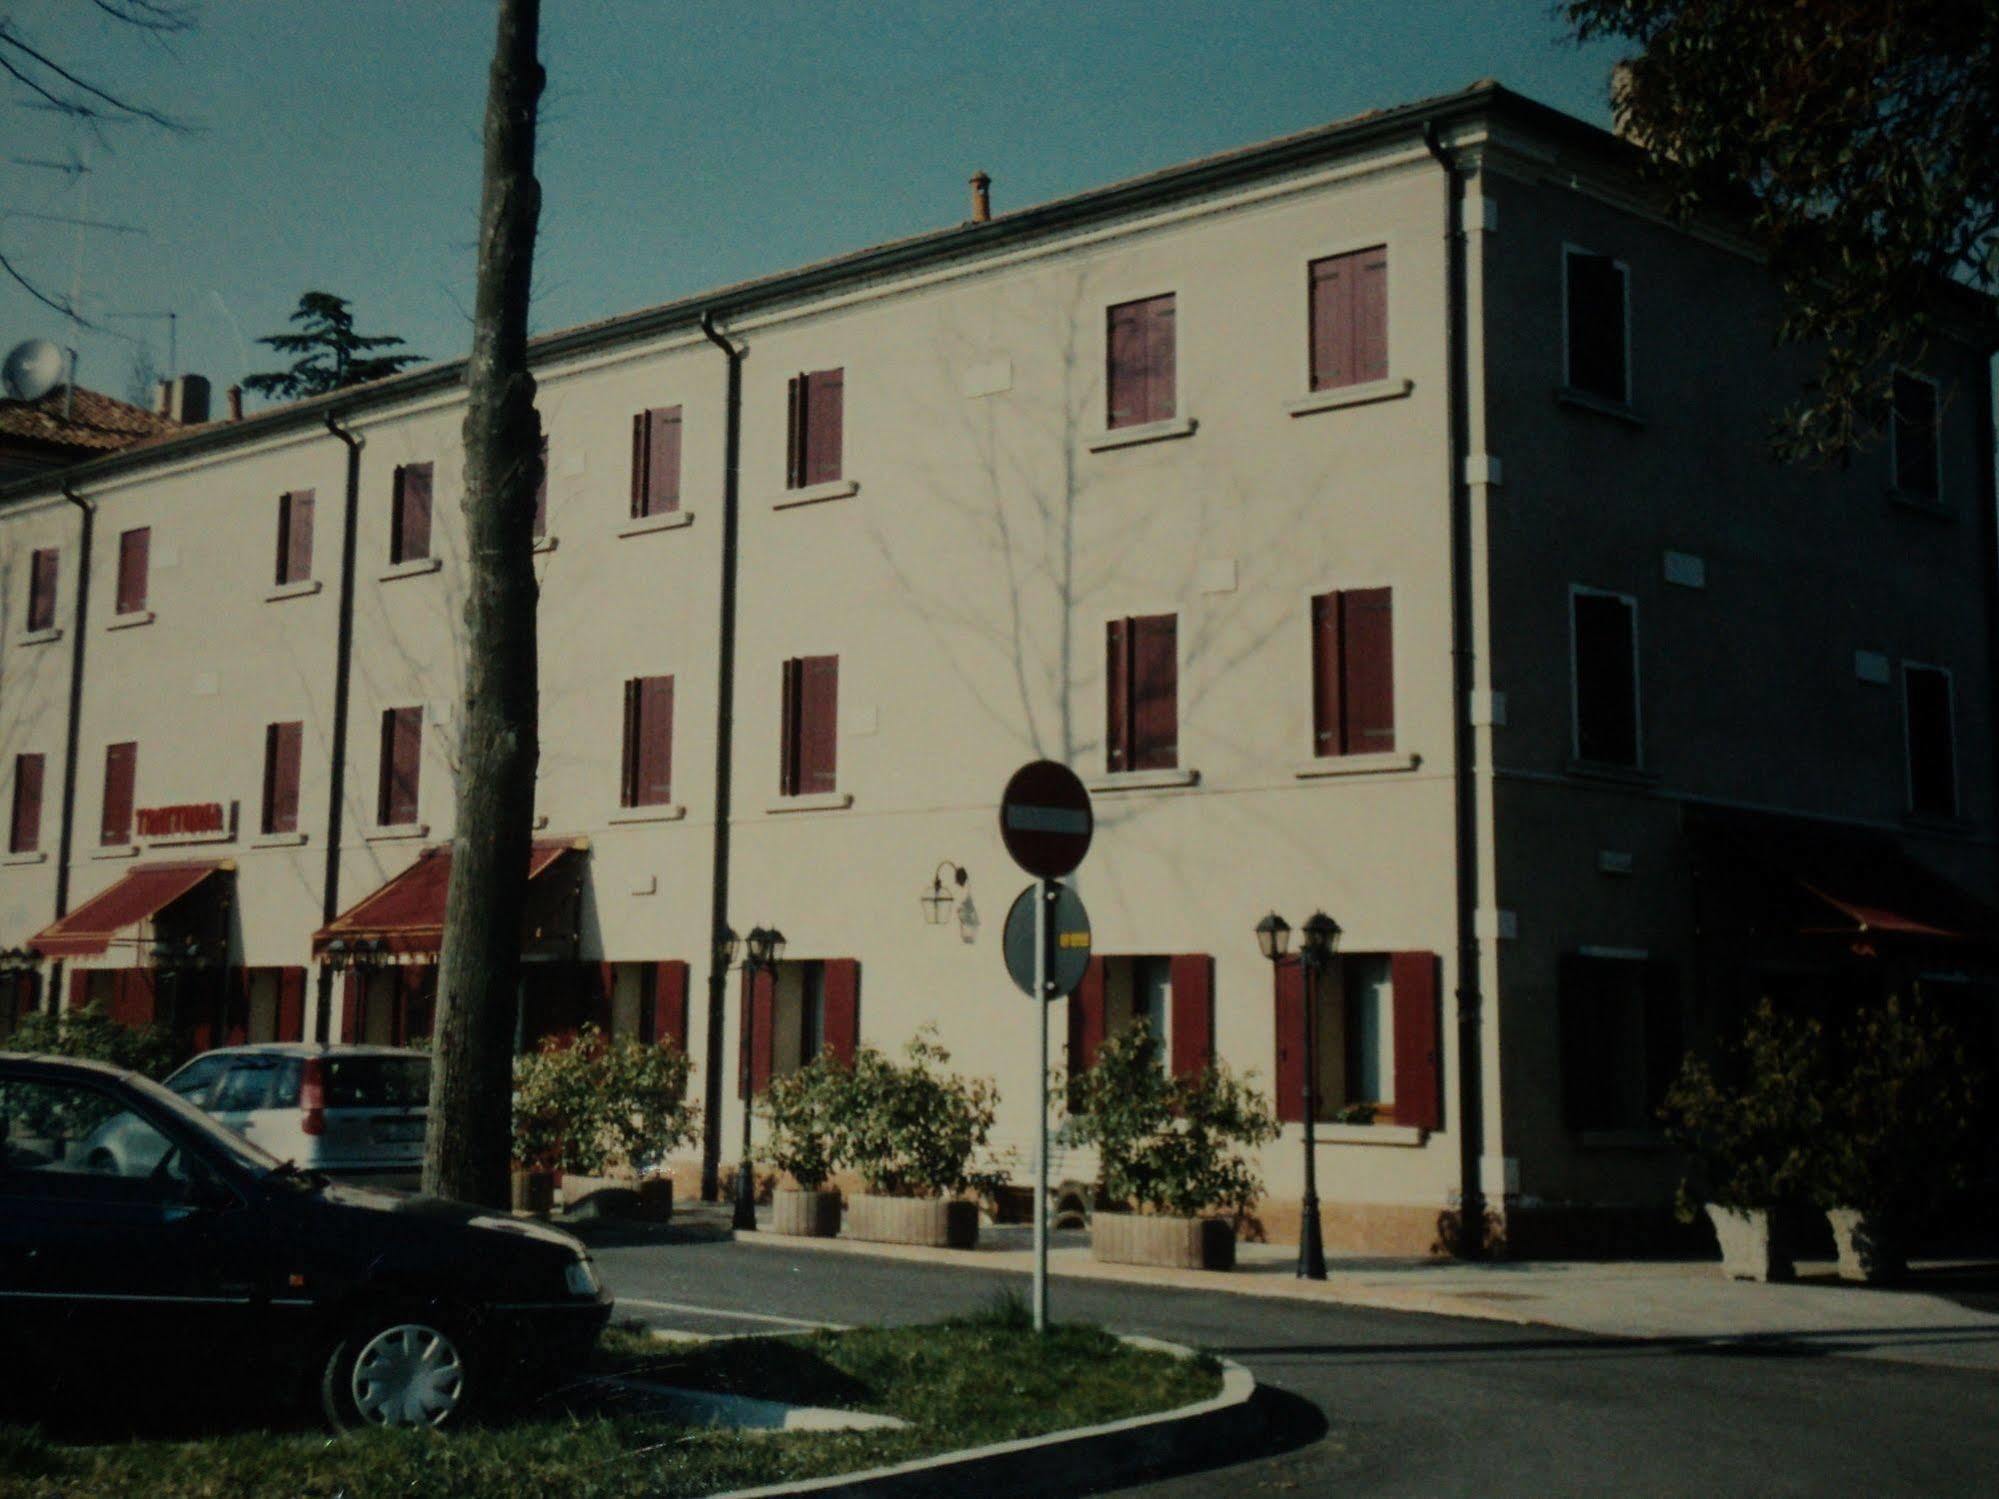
408 1375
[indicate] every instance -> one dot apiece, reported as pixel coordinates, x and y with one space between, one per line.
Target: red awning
407 913
138 896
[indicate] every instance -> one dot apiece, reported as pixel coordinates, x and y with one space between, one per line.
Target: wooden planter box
533 1192
805 1215
1159 1240
937 1222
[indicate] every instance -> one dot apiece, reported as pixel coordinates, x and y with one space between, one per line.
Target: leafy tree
911 1128
331 354
1862 132
91 1034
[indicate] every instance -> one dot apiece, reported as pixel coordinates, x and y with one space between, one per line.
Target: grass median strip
958 1384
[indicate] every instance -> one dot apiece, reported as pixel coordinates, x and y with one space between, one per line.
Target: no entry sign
1045 819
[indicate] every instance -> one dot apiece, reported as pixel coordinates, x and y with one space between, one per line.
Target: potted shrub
1900 1121
911 1129
799 1111
1174 1183
588 1103
1752 1125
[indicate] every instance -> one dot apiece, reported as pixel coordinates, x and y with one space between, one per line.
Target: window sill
304 589
116 851
1921 504
1617 775
40 637
278 840
400 832
813 494
545 544
1369 1134
1582 400
671 813
822 801
30 856
415 568
1145 780
645 525
1356 765
1364 394
1624 1139
183 840
1131 437
131 621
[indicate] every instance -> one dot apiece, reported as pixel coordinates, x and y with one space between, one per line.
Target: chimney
982 201
163 398
234 396
190 401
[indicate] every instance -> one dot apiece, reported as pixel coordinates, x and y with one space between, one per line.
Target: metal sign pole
1043 929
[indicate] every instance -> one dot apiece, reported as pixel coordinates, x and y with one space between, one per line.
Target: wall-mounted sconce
937 900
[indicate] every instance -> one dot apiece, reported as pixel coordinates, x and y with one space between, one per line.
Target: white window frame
1936 436
1908 741
1629 397
1582 590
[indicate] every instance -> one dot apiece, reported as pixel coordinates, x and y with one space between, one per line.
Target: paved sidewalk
1687 1301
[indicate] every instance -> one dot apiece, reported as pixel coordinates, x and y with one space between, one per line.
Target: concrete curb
1070 1461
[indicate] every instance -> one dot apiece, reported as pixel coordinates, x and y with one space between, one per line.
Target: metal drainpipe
725 708
343 670
52 1001
1471 1118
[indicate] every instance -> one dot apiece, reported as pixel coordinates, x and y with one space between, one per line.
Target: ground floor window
391 1006
1376 1058
803 1009
1622 1039
1173 994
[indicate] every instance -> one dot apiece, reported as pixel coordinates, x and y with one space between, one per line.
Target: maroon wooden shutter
79 988
1160 359
121 774
1086 1018
818 722
1419 1074
27 829
1370 318
42 568
841 1007
417 1001
132 999
1125 366
794 435
268 815
669 1003
1328 708
1155 694
663 461
350 1007
281 771
1368 696
412 528
825 400
756 1047
134 549
1331 319
641 448
1193 982
295 536
787 762
402 760
654 782
1117 695
1290 997
628 752
291 1004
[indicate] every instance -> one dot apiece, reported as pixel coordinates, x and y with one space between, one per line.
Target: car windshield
239 1150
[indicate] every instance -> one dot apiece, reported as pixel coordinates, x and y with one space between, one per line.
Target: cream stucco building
1378 519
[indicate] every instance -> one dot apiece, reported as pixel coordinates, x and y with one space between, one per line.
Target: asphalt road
1367 1402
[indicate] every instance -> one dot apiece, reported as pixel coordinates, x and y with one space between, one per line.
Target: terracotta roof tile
97 423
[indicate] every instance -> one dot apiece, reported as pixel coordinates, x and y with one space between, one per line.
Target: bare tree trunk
478 984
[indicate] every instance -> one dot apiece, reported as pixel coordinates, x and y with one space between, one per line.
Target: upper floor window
1621 1040
1597 326
1603 642
25 833
655 462
42 570
816 417
295 536
810 738
402 760
1142 693
1139 372
1929 729
121 776
1349 318
134 550
647 779
1353 672
409 520
1915 437
282 745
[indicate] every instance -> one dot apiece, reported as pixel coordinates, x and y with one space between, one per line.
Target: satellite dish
33 369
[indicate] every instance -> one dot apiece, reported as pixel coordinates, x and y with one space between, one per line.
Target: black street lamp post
762 949
1320 944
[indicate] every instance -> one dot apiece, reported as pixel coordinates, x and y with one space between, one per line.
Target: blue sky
685 143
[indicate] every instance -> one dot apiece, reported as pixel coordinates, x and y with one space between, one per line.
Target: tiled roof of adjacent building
95 423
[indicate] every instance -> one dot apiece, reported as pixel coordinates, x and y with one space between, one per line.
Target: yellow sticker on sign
1072 939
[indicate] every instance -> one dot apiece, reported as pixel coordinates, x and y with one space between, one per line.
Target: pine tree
332 355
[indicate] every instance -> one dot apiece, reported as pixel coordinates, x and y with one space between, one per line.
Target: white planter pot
1748 1248
1865 1252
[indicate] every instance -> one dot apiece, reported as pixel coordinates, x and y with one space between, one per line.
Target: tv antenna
172 320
